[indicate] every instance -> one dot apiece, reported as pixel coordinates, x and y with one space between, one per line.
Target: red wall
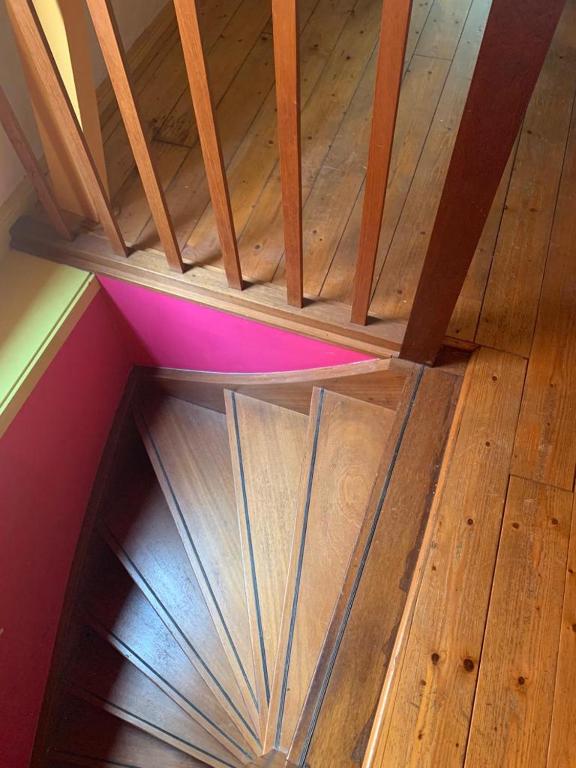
48 459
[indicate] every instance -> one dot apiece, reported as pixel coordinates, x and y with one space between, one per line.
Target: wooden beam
40 59
24 151
187 16
515 43
114 55
395 22
286 64
66 29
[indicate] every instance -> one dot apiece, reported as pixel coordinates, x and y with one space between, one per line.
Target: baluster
24 151
517 37
395 21
115 58
41 62
286 62
187 16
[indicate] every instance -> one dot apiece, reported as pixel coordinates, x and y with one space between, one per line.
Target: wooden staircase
234 602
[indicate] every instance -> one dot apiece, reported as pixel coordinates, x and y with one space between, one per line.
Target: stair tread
109 681
267 444
188 446
88 736
346 445
139 527
121 613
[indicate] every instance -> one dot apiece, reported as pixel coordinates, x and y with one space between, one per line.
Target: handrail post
516 39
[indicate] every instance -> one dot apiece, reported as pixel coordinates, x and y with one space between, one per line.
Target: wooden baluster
24 151
66 31
394 26
40 60
517 37
115 58
187 16
286 62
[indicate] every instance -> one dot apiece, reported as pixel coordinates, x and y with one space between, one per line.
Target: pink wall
166 331
48 459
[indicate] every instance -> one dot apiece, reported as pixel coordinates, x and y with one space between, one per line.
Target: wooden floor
499 304
485 669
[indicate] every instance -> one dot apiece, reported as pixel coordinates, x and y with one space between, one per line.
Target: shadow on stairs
245 566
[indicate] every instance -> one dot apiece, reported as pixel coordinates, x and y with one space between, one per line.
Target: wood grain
112 48
380 382
341 731
90 737
545 447
286 63
101 676
267 448
429 715
562 747
27 157
515 43
513 291
346 442
42 62
199 487
515 691
394 27
186 14
120 613
138 527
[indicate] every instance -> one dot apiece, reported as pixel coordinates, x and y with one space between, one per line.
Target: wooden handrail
24 151
517 37
112 49
187 16
394 26
286 56
39 58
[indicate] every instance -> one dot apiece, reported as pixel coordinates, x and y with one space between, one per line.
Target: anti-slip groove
158 728
251 550
184 523
358 576
129 652
185 639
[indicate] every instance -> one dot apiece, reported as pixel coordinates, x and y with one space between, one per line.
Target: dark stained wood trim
517 37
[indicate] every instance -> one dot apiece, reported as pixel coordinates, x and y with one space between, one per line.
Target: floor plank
513 291
562 746
545 448
430 713
515 691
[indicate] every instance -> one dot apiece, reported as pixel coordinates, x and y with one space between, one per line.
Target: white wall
133 17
